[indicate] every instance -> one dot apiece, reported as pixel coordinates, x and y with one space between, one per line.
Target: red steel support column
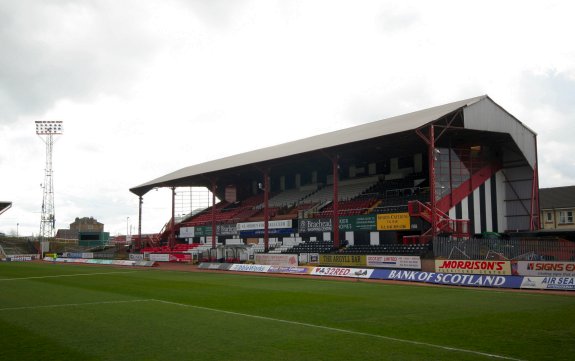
432 181
213 216
266 210
172 236
139 241
535 216
335 221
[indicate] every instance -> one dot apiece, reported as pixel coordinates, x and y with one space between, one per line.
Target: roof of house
557 197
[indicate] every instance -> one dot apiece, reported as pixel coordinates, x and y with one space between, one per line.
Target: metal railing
504 249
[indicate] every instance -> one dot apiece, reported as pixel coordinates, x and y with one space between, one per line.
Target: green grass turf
69 312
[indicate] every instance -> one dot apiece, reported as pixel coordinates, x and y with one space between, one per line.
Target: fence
505 249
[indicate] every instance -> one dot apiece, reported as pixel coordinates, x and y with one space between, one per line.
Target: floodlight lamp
48 127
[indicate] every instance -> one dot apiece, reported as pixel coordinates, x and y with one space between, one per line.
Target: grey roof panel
361 132
488 116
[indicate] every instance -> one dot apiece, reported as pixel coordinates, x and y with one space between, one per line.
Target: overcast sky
145 88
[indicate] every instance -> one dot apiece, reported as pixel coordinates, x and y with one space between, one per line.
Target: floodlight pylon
47 130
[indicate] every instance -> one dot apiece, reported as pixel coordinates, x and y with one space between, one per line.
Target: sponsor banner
293 270
393 221
351 223
123 263
21 257
215 266
226 229
284 260
91 261
342 272
180 257
159 257
145 263
87 255
136 257
471 280
250 268
358 223
70 260
544 269
549 283
72 255
271 232
187 232
248 226
342 260
314 225
202 231
103 255
473 267
408 262
99 261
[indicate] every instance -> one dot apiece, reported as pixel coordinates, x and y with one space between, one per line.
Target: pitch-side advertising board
403 262
544 269
485 267
549 283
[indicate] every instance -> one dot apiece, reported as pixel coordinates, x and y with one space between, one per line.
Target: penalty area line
69 275
72 305
341 330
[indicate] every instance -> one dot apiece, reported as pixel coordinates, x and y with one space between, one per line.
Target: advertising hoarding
393 221
473 267
284 260
404 262
344 260
544 268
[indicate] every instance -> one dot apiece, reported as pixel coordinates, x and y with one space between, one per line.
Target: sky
144 87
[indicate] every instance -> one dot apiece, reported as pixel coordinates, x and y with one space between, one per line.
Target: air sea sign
549 283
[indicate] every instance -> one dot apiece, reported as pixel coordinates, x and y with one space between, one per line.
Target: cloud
550 89
53 50
148 87
549 99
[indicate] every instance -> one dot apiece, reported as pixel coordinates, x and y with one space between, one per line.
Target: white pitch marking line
70 275
448 348
71 305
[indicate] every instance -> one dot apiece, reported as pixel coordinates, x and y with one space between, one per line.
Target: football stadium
416 237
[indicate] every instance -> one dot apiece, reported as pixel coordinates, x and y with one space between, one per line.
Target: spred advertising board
483 267
342 272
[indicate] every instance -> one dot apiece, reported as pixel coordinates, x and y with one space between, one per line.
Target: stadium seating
311 247
352 207
389 249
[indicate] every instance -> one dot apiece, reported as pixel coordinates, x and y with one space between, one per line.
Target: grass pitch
68 312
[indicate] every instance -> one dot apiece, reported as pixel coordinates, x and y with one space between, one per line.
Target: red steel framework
433 213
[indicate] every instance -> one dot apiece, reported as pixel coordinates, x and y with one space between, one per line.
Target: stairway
458 228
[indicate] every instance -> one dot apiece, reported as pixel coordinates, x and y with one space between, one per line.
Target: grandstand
4 206
454 170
